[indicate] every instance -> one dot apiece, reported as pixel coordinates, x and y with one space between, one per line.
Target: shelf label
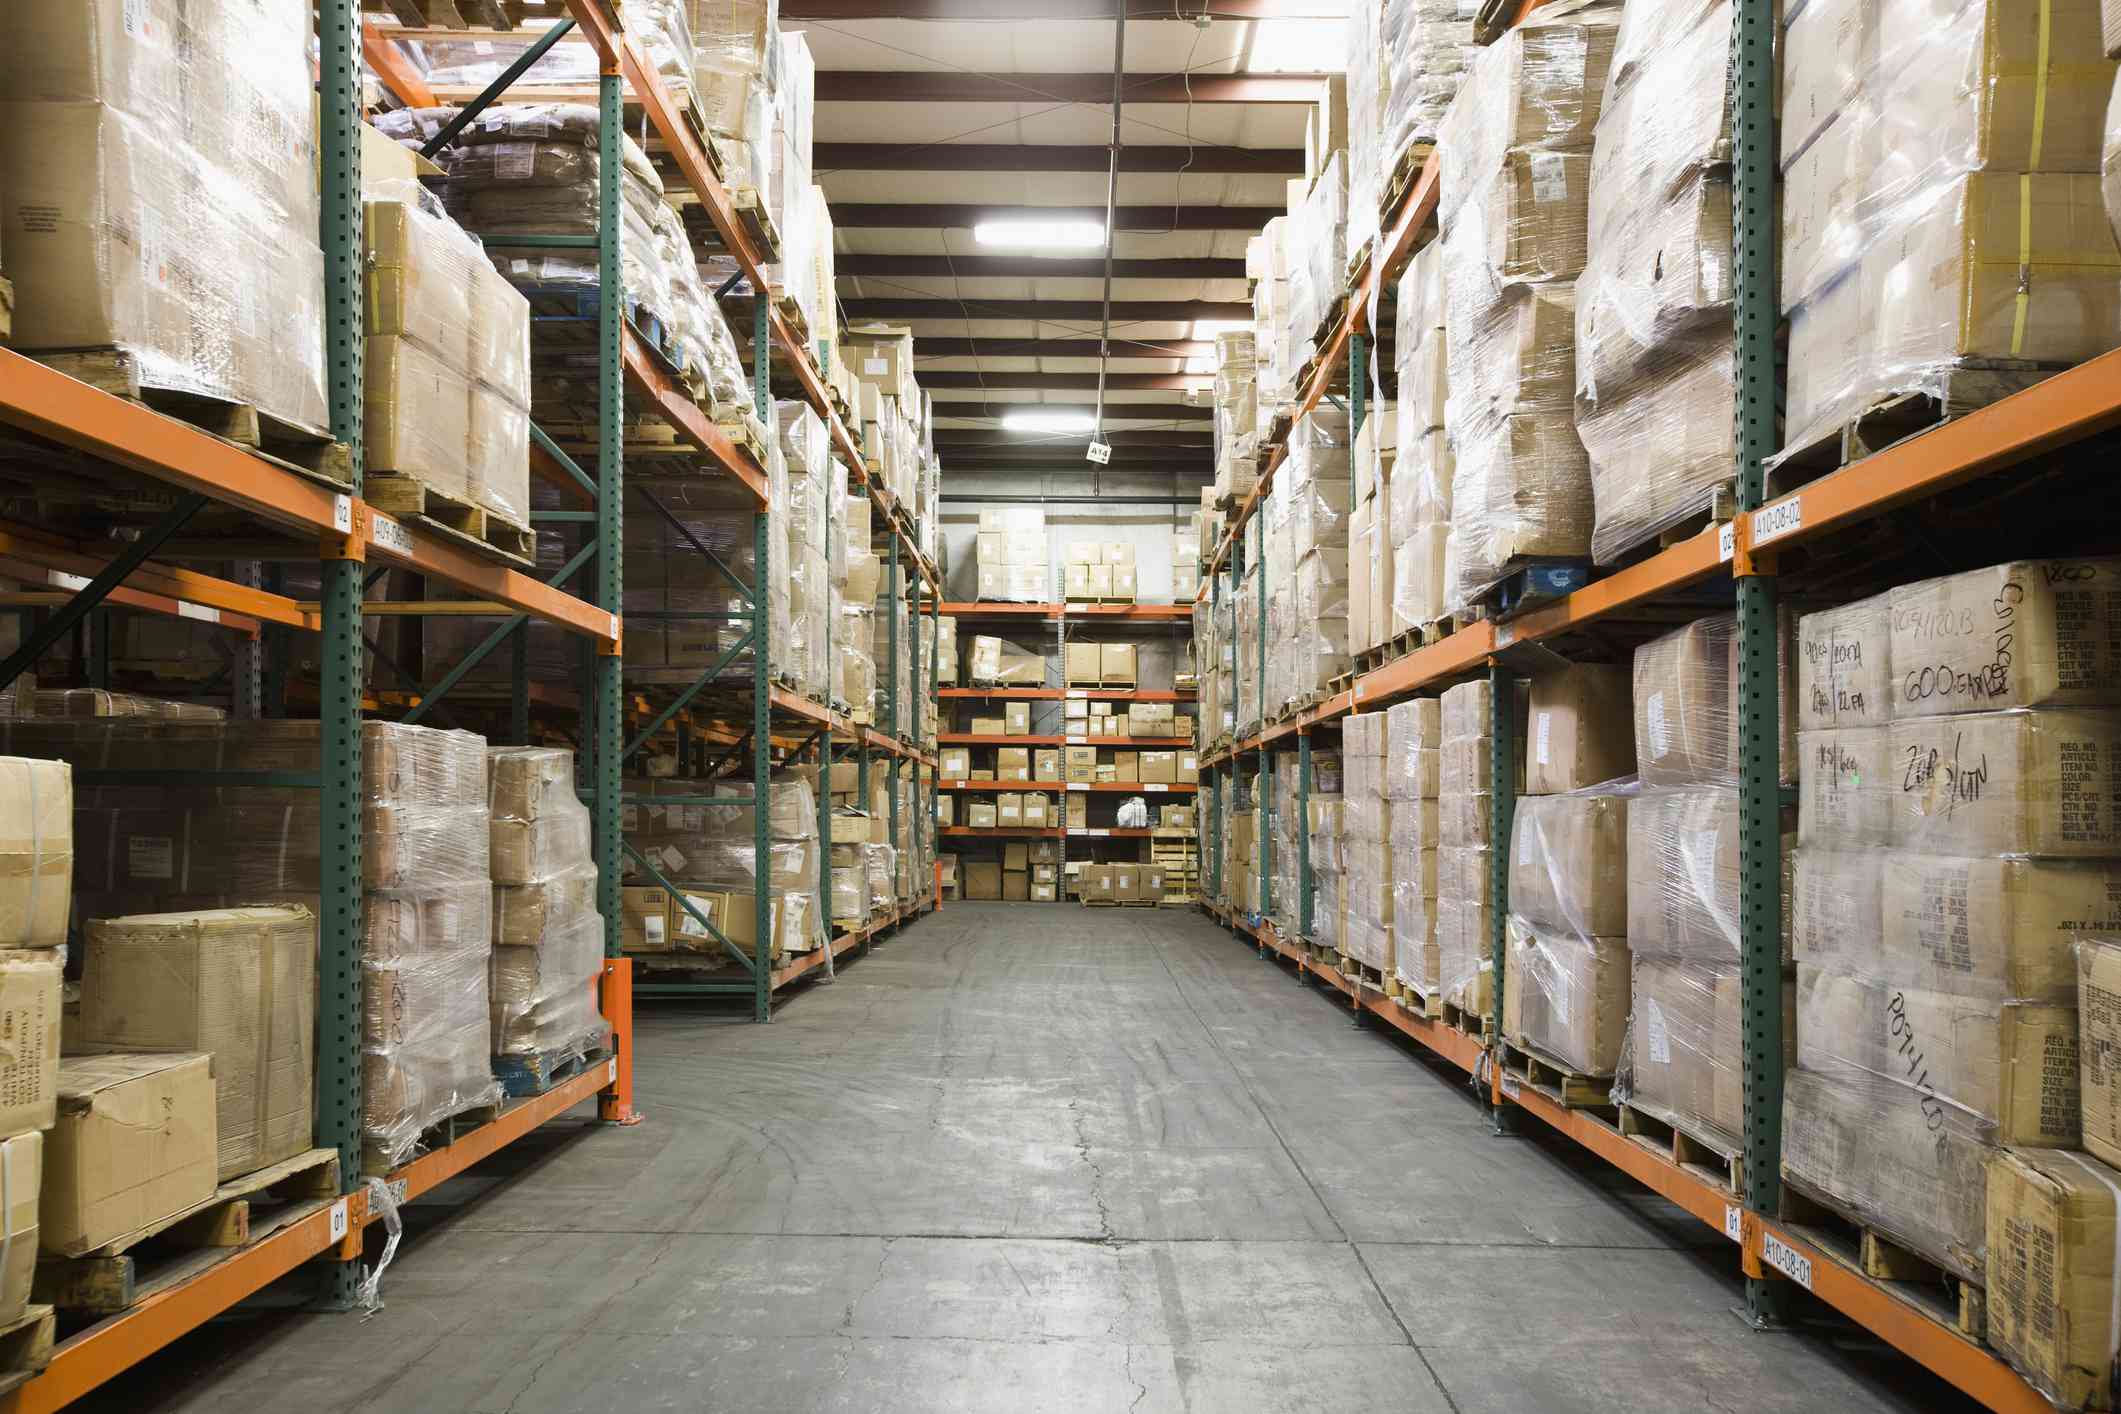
188 610
1077 785
1778 521
614 627
1777 1254
1078 697
1734 1222
338 1221
1153 787
611 1071
1727 541
1512 1087
1505 636
1099 833
342 514
389 534
1078 741
1099 452
63 580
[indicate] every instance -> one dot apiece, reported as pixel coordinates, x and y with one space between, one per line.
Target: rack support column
604 740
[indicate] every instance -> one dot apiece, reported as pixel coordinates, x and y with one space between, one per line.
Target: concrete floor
1031 1158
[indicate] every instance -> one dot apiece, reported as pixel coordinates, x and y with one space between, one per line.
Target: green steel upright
1502 806
1760 800
762 694
895 598
1263 784
603 742
339 924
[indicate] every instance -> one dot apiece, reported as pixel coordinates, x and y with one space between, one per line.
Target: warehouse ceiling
934 116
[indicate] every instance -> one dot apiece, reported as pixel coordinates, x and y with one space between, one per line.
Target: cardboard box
1016 886
1152 883
945 810
29 1022
983 879
1188 765
1048 892
980 814
1094 883
1009 810
1579 729
238 984
990 726
1083 552
1127 883
1566 996
1116 664
133 1143
1016 718
2038 633
850 827
2051 1271
1126 766
1078 812
1038 814
1045 873
1075 582
1685 692
1154 767
2007 783
1084 665
1081 764
1045 765
1016 856
21 1178
1119 553
1845 788
1177 817
36 851
644 919
1098 580
1012 763
1844 666
1566 852
956 763
2099 1049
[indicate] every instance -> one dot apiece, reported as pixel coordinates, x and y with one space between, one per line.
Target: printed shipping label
1660 1037
151 857
1544 737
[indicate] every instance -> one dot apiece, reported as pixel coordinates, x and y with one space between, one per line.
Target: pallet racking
299 515
1744 559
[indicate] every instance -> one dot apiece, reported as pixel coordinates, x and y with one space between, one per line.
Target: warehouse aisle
1028 1159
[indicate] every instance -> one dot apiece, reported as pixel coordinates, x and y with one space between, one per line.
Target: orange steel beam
1904 1326
387 540
2068 407
124 598
1145 612
654 383
431 1170
615 1000
30 554
1055 694
1713 1204
390 66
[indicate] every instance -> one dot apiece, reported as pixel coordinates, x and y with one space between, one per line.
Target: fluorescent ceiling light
1209 328
1298 47
1048 422
1200 365
1042 235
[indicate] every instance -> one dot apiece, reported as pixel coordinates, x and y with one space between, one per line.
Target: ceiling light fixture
1313 46
1209 328
1041 235
1048 422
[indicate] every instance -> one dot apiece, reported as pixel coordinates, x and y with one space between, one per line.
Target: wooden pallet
1696 1147
1894 418
1362 973
468 523
791 314
1422 1004
26 1345
1478 1025
439 1135
757 226
1952 1297
304 450
540 1071
1723 504
1404 171
241 1212
7 310
1530 581
1559 1082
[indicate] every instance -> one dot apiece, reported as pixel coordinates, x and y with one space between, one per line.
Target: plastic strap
268 982
2025 261
2032 160
2113 1317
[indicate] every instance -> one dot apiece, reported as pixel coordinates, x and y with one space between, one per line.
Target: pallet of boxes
1958 837
1566 961
702 913
1465 881
1368 824
1413 740
1680 1083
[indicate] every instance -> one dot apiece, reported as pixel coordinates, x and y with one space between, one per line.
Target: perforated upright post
762 694
1759 729
339 925
605 742
1502 808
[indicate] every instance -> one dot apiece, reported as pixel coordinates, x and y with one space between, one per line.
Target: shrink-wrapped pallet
548 935
1566 989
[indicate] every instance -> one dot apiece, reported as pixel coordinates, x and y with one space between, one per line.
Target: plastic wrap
1318 238
1567 992
2110 161
1685 685
1654 366
1369 80
1682 1055
548 935
1465 891
1941 197
712 847
158 194
731 44
1306 534
670 585
1429 46
1683 868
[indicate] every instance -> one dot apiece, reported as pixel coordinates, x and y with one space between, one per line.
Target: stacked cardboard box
446 386
1317 236
672 590
239 984
1565 989
1429 46
1186 544
1418 511
1413 747
548 937
996 662
108 140
36 882
1654 368
1465 885
1683 871
816 487
1100 571
1376 455
1955 841
1010 555
1306 539
710 849
1514 204
1905 206
1236 416
1368 825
